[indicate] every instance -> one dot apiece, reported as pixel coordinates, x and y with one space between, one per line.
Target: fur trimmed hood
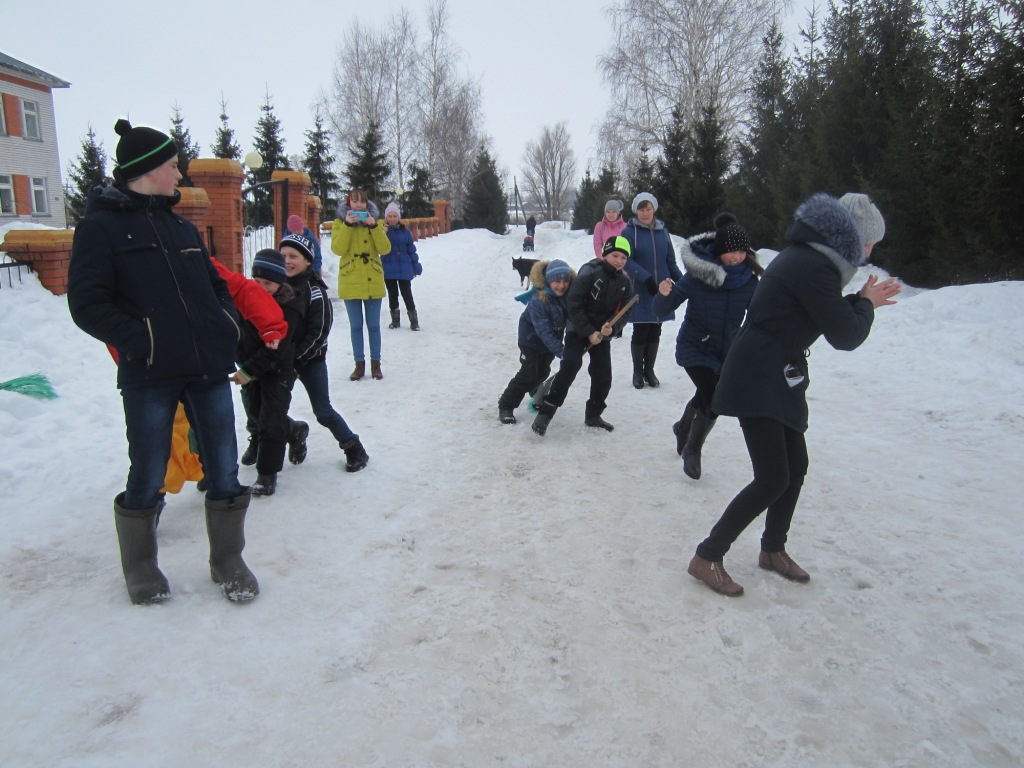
538 285
832 226
695 254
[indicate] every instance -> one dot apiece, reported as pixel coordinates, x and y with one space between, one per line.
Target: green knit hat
616 243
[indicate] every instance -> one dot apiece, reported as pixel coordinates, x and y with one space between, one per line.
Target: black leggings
706 381
405 286
645 333
779 458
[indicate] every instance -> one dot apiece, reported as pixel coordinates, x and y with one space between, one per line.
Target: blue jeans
354 308
314 378
149 418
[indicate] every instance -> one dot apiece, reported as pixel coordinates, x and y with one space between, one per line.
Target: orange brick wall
12 114
48 251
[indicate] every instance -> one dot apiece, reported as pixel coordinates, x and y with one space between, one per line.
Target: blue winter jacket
403 263
653 257
542 324
716 299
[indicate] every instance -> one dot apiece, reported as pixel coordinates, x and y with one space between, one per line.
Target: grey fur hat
868 217
835 225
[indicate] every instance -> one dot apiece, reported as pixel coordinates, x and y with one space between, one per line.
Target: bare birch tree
359 84
680 52
400 124
549 170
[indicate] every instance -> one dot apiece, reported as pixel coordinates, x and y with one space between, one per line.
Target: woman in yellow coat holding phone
360 243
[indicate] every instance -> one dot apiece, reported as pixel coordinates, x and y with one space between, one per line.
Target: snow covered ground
480 596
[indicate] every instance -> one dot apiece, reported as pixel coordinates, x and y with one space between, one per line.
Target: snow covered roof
32 73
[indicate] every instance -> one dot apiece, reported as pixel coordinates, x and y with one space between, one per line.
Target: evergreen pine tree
225 146
588 208
671 180
705 162
270 146
319 164
752 194
418 199
369 167
90 170
485 207
642 178
188 150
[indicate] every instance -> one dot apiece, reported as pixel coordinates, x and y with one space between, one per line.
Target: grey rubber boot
225 525
136 537
702 426
396 319
414 320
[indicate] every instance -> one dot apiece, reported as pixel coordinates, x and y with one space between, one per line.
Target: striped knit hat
269 264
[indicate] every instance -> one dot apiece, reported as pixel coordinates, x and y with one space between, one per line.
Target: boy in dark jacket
268 374
311 356
541 333
140 280
599 292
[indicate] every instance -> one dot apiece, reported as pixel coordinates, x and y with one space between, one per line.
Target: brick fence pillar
314 213
299 185
222 181
443 214
47 250
195 206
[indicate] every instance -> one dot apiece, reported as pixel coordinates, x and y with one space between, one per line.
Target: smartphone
360 215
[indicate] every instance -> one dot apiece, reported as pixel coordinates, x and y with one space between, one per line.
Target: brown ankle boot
375 369
358 373
714 575
783 564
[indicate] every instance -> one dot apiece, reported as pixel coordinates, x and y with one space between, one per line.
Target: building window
30 119
6 196
39 196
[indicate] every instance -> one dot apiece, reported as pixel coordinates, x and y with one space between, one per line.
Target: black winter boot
638 364
249 457
225 525
650 355
136 536
702 426
396 319
265 485
506 415
545 412
355 455
592 418
681 429
414 320
298 432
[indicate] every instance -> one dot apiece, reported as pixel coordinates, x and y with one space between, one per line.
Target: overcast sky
536 63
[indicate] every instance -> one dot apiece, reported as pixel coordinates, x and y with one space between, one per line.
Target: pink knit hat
296 224
393 207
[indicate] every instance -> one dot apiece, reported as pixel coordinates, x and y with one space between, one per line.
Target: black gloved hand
652 286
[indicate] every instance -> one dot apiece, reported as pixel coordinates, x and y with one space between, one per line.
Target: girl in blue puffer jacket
400 267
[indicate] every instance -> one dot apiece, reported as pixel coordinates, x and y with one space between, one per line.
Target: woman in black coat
765 376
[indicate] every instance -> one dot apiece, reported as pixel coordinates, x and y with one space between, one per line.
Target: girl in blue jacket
400 267
721 275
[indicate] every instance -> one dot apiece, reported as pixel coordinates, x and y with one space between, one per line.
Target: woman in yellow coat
360 243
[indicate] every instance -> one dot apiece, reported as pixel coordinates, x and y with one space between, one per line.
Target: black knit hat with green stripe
141 150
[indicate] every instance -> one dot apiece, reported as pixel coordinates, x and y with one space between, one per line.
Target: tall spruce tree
642 178
318 162
486 207
224 145
588 208
418 199
270 146
369 167
706 159
188 149
752 193
671 179
89 170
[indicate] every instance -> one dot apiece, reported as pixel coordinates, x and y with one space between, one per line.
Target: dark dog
523 265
